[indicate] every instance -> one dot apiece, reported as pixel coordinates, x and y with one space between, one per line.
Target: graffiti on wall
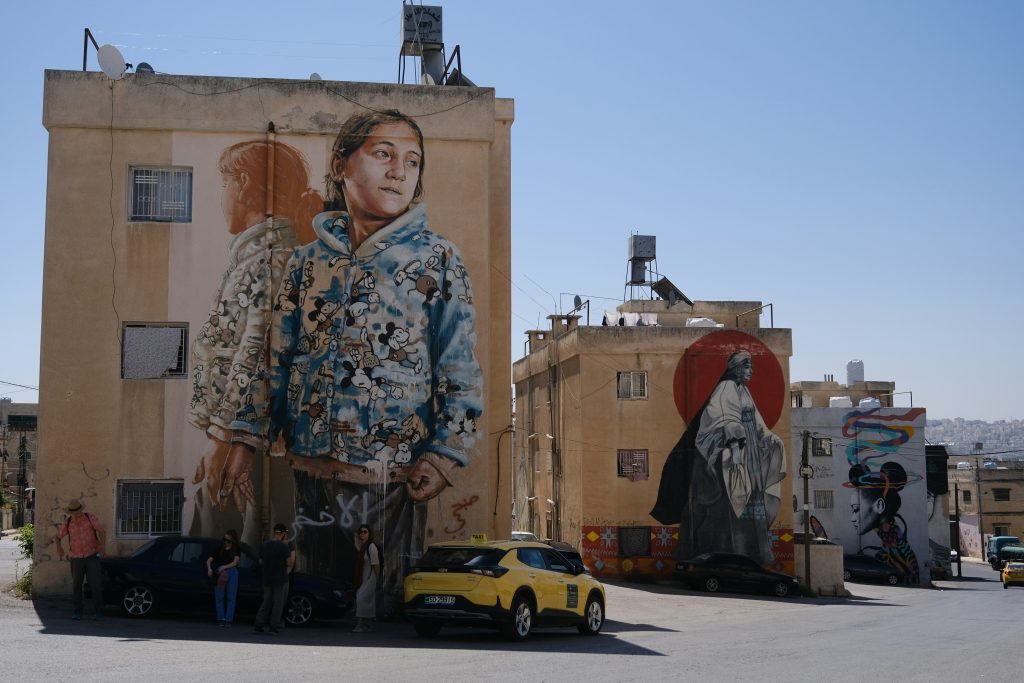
877 481
342 341
722 481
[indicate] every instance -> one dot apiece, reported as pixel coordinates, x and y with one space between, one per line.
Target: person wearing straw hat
86 540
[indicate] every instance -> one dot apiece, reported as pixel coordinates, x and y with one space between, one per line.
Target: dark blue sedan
169 572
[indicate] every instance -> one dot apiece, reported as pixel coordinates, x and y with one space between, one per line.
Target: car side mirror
577 570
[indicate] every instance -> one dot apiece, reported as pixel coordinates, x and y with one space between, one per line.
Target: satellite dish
315 77
144 68
577 301
111 61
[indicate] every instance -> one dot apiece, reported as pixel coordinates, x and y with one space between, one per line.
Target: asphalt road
962 630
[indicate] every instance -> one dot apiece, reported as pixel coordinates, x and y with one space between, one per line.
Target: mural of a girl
874 506
373 380
722 481
229 351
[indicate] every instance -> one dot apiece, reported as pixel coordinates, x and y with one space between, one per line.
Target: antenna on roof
110 58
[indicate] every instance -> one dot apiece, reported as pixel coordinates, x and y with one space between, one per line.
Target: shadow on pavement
54 615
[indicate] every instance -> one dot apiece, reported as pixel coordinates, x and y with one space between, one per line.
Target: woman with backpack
366 578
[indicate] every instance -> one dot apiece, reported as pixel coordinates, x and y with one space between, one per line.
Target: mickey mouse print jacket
372 350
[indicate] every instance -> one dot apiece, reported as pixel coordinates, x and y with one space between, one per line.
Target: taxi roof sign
478 538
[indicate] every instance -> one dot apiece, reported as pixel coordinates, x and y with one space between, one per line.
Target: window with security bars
1001 494
823 500
821 447
154 350
966 495
149 508
634 541
632 464
632 385
160 194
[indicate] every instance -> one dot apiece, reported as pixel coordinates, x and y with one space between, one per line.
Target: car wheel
138 600
711 584
593 617
518 628
781 589
427 628
892 579
299 610
847 575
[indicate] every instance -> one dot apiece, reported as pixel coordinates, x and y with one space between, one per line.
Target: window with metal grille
160 194
823 500
149 508
634 541
632 464
632 385
1000 529
821 447
966 495
154 350
1001 494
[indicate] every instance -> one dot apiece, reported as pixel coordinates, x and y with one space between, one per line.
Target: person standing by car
277 560
86 540
223 564
366 578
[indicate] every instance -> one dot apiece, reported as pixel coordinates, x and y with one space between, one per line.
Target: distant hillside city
960 436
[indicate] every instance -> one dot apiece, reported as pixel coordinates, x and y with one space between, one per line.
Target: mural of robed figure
722 480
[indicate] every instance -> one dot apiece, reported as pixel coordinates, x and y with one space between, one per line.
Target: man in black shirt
277 560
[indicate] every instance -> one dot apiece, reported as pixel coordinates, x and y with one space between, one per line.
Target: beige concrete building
19 448
810 394
140 228
990 495
599 410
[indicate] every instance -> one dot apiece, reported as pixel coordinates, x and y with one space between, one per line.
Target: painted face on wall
865 511
234 202
746 370
379 179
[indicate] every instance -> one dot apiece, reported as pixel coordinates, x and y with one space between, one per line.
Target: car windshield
461 557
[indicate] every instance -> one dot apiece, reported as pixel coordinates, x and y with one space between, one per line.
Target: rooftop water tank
854 372
840 402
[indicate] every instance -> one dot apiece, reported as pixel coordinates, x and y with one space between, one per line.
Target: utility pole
978 447
806 472
22 478
956 526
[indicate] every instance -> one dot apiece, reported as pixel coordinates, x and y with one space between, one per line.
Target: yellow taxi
1013 574
509 585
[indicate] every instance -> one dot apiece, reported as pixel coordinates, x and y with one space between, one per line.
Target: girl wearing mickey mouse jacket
374 384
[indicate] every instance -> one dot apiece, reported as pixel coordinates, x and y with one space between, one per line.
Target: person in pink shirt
86 540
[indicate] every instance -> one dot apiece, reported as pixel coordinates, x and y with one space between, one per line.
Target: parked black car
570 553
170 572
717 571
861 566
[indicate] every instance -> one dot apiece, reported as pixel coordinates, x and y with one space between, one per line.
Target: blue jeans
231 592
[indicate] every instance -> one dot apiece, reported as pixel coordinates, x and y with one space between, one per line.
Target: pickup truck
996 545
1010 553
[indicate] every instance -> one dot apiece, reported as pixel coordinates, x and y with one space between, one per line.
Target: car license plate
439 600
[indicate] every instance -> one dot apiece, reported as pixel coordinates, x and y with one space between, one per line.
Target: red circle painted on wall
704 361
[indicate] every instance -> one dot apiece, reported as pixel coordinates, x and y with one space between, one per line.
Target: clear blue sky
858 165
